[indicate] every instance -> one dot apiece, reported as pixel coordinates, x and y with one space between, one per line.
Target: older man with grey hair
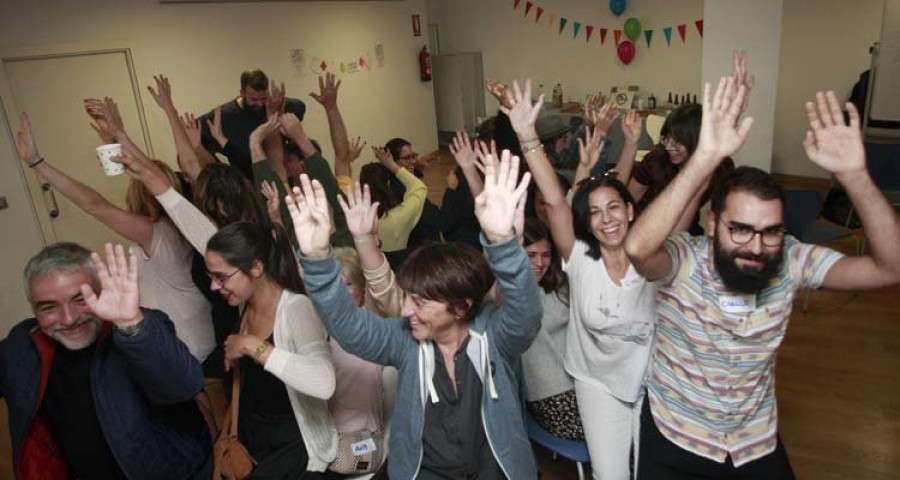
96 386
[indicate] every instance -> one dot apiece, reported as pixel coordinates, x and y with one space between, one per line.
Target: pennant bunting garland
576 29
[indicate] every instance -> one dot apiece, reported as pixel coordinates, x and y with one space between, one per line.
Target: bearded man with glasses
724 299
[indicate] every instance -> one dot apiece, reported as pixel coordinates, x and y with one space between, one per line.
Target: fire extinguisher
425 64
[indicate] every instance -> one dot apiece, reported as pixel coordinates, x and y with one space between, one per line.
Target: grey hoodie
499 335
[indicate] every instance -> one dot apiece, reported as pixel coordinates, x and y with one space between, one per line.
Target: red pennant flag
537 16
682 29
699 24
588 30
617 34
528 6
603 32
516 4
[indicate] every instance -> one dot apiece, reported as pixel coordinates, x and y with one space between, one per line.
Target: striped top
712 381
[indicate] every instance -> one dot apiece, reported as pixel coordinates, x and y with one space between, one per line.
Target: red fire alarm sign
417 26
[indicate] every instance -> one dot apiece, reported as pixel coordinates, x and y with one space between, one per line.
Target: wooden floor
838 383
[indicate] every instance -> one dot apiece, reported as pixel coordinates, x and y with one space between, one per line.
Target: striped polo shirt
712 378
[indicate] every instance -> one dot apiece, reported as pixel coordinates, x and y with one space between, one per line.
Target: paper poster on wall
379 55
298 61
303 63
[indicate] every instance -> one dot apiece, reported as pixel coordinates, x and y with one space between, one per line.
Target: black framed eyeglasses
221 278
743 234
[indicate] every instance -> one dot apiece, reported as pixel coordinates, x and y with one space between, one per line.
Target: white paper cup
105 153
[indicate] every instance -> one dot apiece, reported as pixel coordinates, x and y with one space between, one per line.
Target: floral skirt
559 415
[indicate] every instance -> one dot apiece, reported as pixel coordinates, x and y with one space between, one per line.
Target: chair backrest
801 207
884 165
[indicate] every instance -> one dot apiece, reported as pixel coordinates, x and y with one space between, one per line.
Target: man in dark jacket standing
96 386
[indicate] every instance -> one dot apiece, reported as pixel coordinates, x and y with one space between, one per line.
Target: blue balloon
617 7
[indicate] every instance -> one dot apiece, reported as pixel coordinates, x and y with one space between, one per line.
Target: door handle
48 192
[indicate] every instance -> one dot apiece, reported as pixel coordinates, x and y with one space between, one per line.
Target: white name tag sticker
363 447
731 303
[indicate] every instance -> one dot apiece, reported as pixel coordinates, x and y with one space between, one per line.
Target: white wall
825 46
204 47
756 28
515 47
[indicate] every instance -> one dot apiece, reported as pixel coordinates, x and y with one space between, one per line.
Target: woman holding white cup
165 257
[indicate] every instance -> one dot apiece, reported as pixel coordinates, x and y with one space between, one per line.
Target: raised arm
362 221
191 164
632 127
589 150
160 363
523 115
189 220
517 320
464 154
137 228
720 136
327 97
359 332
318 169
601 118
410 209
838 148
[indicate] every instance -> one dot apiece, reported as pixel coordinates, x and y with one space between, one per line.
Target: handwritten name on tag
363 447
737 303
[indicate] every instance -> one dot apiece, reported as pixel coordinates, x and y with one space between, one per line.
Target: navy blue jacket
143 389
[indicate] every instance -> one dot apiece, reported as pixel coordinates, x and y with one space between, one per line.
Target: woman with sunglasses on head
611 307
286 371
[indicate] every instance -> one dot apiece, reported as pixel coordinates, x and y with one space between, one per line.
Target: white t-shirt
165 283
610 325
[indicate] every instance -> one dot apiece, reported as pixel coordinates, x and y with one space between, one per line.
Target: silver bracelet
535 148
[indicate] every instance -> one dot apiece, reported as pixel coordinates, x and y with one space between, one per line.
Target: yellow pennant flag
551 19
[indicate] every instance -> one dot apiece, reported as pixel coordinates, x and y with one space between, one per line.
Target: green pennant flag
575 28
668 32
562 24
648 34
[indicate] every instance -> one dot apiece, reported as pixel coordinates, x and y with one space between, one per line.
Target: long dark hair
383 185
226 196
555 279
581 209
242 244
683 126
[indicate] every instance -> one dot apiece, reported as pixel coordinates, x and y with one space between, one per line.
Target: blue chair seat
569 449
